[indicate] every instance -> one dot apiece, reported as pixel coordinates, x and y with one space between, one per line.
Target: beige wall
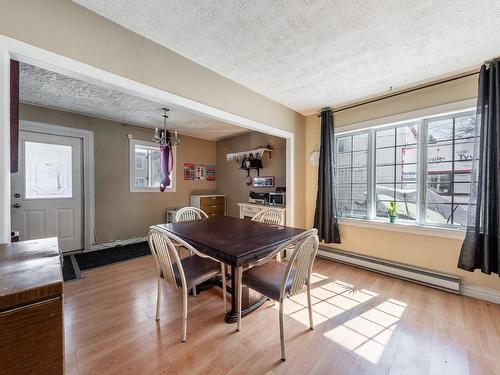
231 180
439 254
66 28
120 214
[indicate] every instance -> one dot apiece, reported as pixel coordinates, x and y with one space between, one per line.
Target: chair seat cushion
266 279
196 270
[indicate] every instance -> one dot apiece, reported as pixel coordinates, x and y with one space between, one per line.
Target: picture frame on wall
263 182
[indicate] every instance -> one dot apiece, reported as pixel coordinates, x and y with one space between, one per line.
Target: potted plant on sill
392 210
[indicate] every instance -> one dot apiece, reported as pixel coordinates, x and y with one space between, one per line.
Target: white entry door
47 190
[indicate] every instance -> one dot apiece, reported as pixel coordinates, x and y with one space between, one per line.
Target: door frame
88 193
14 49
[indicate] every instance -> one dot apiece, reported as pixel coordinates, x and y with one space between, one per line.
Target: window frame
420 119
156 189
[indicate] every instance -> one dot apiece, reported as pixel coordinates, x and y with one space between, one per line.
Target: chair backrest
270 216
161 244
301 261
190 214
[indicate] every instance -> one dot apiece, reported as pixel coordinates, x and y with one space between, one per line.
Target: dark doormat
99 258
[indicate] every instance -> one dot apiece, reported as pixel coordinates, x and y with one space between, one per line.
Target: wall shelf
242 154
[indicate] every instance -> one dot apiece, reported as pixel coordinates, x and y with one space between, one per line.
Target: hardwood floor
365 323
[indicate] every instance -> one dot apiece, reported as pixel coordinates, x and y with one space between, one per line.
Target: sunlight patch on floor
328 301
369 333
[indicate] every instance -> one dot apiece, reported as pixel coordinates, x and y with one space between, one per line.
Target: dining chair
190 214
183 273
271 216
280 280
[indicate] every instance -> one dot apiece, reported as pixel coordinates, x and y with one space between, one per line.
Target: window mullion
421 171
371 176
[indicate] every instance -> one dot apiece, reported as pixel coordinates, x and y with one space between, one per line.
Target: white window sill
405 227
152 190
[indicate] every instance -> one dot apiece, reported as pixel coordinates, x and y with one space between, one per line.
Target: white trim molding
480 292
87 138
5 204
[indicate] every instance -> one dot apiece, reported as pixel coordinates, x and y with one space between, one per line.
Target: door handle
17 205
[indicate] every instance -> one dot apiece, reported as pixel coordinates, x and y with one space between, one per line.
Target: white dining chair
183 273
190 214
280 280
271 216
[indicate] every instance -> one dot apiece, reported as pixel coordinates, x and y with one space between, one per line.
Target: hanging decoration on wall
211 171
200 172
189 171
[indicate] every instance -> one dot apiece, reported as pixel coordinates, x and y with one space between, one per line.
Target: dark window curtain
480 249
325 217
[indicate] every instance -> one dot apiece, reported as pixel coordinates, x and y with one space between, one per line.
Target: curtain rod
401 92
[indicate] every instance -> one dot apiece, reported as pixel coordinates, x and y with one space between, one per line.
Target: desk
237 243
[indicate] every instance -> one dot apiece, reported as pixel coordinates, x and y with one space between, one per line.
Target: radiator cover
422 276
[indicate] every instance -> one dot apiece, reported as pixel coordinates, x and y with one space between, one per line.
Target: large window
145 167
424 166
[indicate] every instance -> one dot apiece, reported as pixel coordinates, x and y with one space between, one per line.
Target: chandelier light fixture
162 137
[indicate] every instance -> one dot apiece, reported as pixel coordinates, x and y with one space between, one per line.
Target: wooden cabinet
249 210
31 308
213 204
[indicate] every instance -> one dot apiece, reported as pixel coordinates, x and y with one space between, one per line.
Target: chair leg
282 331
239 272
184 313
278 257
194 291
224 290
158 300
309 306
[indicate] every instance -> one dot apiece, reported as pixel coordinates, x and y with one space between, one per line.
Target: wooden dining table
237 243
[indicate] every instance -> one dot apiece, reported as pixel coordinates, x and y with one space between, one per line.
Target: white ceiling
49 89
311 53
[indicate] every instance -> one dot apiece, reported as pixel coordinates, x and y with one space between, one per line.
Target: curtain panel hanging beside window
325 217
480 249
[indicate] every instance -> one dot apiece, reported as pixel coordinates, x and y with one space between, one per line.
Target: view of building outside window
148 173
396 170
447 144
351 173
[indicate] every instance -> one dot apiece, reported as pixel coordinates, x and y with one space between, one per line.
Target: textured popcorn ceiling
49 89
310 53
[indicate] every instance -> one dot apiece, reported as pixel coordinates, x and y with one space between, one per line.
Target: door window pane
48 171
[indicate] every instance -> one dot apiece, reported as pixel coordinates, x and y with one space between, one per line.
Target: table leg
250 300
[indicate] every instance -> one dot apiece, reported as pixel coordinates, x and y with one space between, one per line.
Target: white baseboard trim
480 292
107 245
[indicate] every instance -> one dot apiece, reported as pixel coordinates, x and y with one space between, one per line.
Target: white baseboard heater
421 276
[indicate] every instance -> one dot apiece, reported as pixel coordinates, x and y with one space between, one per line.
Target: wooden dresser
31 308
212 204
